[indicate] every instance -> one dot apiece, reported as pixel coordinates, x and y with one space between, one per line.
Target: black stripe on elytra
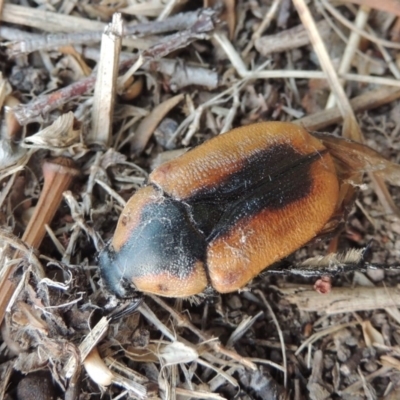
251 170
261 169
291 183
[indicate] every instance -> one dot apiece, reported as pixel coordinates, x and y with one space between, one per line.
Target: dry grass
101 98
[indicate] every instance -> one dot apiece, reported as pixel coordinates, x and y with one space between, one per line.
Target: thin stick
269 16
244 73
326 64
350 50
351 26
366 101
341 299
106 83
280 334
77 30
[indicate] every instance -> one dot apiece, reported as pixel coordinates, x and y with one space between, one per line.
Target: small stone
36 386
234 302
376 275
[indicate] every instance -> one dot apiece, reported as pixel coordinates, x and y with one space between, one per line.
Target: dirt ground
97 94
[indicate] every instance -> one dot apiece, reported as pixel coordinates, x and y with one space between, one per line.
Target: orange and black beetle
222 212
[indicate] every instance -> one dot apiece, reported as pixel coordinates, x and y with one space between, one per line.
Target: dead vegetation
93 96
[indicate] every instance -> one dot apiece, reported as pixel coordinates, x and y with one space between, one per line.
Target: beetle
224 211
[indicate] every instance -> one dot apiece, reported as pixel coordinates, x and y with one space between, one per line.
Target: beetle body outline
222 212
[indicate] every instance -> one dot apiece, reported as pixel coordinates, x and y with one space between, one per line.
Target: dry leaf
177 353
149 123
371 335
59 135
389 361
97 369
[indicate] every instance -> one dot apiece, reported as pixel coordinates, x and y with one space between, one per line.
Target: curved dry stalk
58 174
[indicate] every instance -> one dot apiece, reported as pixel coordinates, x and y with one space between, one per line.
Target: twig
269 16
318 335
105 89
167 9
289 39
280 334
232 112
244 73
341 299
30 42
51 21
327 66
111 192
182 74
90 341
43 105
383 371
366 101
351 26
204 24
58 174
352 45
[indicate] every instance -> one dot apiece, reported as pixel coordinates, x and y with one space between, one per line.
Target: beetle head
114 278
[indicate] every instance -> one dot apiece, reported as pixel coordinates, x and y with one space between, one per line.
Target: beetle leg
127 308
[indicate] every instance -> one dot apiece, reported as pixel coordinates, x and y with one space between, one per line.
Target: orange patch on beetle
208 164
233 259
170 285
